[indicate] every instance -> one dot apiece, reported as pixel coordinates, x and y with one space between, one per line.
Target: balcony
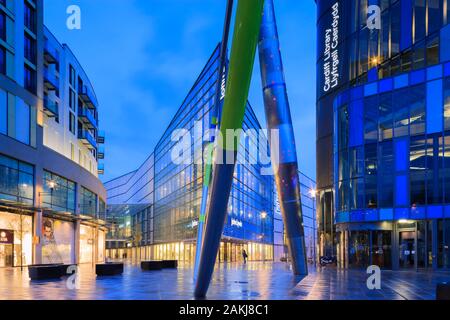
86 137
50 54
51 108
101 137
87 96
101 152
51 82
101 168
87 118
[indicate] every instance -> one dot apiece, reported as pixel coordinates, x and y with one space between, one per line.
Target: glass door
407 248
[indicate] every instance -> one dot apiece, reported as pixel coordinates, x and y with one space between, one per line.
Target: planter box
170 264
109 269
443 291
151 265
45 271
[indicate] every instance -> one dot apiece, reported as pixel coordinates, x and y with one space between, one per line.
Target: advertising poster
57 241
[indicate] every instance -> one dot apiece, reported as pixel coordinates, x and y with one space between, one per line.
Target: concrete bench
170 264
45 271
151 265
443 291
108 269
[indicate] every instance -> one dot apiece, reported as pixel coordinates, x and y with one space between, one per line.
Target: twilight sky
143 56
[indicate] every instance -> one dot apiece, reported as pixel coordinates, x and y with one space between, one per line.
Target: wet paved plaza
256 280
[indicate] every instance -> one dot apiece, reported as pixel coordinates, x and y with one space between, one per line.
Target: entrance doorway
407 249
6 255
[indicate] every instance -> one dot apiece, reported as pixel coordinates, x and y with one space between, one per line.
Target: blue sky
143 56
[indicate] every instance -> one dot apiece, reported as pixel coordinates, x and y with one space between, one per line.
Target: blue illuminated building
383 138
154 210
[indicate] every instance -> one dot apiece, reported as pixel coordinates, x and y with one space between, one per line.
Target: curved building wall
60 200
382 144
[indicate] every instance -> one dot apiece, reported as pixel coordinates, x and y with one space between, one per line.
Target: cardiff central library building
383 138
154 210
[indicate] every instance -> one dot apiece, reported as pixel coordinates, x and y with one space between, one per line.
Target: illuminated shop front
230 251
16 232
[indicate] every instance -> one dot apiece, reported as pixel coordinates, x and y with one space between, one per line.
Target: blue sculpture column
278 117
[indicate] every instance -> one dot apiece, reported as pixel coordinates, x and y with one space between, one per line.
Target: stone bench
169 264
443 291
108 269
151 265
45 271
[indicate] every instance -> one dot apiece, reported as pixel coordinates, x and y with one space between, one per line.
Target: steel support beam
283 152
245 40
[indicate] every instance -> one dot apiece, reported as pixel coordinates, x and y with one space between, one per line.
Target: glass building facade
382 153
166 228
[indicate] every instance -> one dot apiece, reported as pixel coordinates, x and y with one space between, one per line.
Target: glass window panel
420 22
395 28
434 15
447 104
386 124
22 121
416 99
418 170
371 120
371 167
434 106
3 112
433 50
401 113
385 174
434 169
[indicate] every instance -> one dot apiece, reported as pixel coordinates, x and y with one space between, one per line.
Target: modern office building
383 139
154 210
52 203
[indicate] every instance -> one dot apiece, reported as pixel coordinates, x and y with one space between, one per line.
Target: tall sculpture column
284 155
245 40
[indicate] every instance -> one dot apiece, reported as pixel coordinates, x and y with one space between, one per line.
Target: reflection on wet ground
256 280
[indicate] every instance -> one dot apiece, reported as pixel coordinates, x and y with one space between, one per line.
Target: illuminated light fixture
263 215
51 185
374 61
313 193
404 221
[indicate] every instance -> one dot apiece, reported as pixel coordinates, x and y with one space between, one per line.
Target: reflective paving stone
254 281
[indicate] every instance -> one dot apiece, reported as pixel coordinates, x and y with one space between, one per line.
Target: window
417 167
386 124
3 112
371 168
395 28
30 49
23 121
401 114
434 15
72 123
72 76
417 119
88 202
447 103
59 193
30 79
435 162
420 22
433 50
385 174
16 180
30 17
2 60
2 26
72 99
